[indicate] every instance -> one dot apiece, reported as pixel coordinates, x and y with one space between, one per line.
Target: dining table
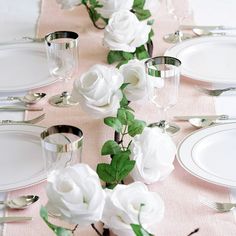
180 191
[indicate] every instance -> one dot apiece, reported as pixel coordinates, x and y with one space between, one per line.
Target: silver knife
213 117
8 219
17 108
209 27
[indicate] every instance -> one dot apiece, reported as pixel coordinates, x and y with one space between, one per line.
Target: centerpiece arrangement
76 193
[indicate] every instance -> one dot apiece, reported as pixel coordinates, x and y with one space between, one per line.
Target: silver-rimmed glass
62 54
163 76
62 146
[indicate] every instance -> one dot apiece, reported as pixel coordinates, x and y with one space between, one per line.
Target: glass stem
163 114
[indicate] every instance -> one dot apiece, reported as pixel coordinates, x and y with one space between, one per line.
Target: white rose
98 91
68 4
123 206
154 153
111 6
134 74
75 193
125 32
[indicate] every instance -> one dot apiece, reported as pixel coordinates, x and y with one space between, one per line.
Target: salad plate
209 154
23 67
21 160
207 59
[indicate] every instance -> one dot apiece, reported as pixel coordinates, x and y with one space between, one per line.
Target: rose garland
75 193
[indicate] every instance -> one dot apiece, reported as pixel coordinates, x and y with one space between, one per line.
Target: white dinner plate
23 66
210 154
207 59
21 159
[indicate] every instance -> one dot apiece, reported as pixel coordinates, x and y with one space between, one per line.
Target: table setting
117 117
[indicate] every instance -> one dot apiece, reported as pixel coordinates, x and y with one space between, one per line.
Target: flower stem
117 137
73 230
150 48
106 232
195 231
91 17
96 230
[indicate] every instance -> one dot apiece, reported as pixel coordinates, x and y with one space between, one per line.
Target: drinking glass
62 54
180 10
163 75
62 146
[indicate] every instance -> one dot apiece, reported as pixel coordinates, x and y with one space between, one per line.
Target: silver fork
215 92
31 121
218 206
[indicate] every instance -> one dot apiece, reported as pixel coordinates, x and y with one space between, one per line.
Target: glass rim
163 60
62 35
57 129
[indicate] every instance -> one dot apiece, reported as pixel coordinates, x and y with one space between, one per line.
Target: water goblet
62 55
180 10
62 146
163 75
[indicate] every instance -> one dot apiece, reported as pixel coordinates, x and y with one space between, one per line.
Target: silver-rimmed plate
209 154
207 59
21 159
23 67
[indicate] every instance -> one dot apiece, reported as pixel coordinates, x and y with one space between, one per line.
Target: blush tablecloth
180 190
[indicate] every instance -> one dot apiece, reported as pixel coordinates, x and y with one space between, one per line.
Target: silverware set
218 206
215 92
18 203
31 121
202 30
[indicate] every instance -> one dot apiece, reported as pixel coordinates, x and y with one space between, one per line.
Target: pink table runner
179 191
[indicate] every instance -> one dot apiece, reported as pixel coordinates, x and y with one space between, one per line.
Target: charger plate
23 66
21 159
209 154
207 59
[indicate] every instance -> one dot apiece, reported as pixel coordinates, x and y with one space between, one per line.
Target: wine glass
163 75
62 54
62 146
180 10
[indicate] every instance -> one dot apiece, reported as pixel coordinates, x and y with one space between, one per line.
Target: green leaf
43 213
123 86
119 160
59 231
128 166
114 123
151 34
125 116
136 229
141 53
106 172
136 127
122 165
150 22
121 63
114 56
139 231
124 101
142 14
127 55
138 4
110 147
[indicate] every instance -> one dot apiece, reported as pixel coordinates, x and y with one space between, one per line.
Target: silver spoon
20 202
29 98
205 122
203 32
201 122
